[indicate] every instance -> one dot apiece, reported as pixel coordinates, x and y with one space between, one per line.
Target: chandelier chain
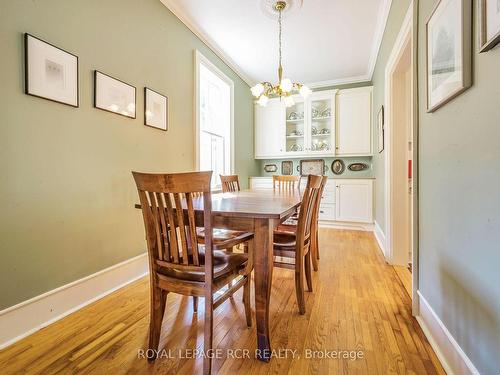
279 38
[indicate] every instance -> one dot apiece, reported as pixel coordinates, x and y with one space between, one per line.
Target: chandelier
285 88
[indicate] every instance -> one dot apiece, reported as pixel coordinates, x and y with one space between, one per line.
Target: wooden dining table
259 211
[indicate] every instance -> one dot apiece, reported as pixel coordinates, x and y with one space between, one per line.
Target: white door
270 129
354 200
354 113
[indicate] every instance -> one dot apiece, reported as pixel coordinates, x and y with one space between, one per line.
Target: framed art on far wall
449 52
489 29
50 72
155 109
380 125
113 95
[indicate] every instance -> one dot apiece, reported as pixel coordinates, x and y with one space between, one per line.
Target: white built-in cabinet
345 202
354 119
354 200
328 123
269 129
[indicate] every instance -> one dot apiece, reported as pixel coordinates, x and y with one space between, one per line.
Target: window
214 119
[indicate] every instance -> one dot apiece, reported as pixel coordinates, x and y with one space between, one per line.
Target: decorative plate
293 116
287 167
356 167
315 167
326 113
270 168
338 166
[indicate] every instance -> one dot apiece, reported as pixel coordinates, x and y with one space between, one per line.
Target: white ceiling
325 42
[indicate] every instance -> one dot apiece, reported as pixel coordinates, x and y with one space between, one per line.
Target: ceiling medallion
285 88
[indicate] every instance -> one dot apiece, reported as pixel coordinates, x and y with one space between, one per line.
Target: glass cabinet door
321 130
295 127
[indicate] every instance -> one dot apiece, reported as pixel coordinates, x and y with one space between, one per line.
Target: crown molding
338 82
209 42
383 17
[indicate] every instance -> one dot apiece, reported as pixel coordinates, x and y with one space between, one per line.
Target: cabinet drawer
326 211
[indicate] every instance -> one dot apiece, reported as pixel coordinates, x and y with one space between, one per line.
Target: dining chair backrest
230 183
317 204
286 183
306 213
169 219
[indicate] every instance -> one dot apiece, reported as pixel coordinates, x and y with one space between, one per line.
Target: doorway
400 133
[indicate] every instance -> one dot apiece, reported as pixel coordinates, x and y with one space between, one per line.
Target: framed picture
489 31
113 95
449 45
287 167
50 72
155 109
380 123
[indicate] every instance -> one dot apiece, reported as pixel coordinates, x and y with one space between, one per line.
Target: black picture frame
27 91
96 72
146 108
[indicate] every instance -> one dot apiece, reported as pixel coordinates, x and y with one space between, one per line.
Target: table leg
263 266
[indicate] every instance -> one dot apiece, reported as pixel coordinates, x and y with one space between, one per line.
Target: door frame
407 33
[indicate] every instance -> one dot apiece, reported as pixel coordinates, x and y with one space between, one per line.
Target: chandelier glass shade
285 88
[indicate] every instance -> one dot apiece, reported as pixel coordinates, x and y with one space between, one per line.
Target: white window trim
199 58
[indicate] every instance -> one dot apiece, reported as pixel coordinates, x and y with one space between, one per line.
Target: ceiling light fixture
285 87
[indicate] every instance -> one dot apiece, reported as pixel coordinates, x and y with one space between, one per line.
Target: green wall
394 22
459 207
67 193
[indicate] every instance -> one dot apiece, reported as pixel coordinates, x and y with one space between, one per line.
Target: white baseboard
367 227
450 354
25 318
380 236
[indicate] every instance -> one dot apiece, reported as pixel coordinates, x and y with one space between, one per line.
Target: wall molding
383 17
380 236
450 354
25 318
341 81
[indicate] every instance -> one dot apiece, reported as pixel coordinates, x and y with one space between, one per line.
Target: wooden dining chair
286 183
230 183
177 262
290 225
297 246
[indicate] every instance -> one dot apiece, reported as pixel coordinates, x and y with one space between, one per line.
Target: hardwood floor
404 275
358 304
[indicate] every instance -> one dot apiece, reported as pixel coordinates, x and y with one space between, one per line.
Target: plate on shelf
316 167
293 116
287 167
270 168
338 166
357 167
